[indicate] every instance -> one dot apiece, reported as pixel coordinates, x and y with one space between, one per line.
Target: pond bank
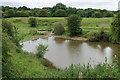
50 34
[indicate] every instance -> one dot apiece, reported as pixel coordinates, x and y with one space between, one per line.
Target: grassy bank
27 65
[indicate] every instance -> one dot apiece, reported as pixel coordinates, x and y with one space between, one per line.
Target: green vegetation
42 13
46 23
32 22
26 65
41 50
74 22
58 10
115 29
58 28
7 27
19 64
98 36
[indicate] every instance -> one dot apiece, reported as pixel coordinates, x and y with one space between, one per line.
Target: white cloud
99 4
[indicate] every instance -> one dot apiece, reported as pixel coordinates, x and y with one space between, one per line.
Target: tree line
58 10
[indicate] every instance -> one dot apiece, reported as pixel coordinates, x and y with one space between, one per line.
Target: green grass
46 23
27 65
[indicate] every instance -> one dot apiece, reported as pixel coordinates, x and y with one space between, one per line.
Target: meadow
27 65
46 23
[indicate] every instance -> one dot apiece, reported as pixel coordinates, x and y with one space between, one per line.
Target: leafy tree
23 8
74 25
60 13
10 13
109 14
81 13
6 8
97 15
42 13
58 28
115 29
49 9
32 22
89 12
71 11
59 6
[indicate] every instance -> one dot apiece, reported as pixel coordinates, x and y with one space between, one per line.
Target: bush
32 22
58 28
98 36
74 25
7 27
41 50
115 29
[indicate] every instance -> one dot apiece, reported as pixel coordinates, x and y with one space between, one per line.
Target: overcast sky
96 4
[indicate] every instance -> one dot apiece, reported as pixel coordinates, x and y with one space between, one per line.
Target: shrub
32 22
58 28
7 27
41 50
74 25
98 36
115 29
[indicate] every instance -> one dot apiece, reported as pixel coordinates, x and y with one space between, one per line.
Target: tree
115 29
10 13
88 13
59 6
32 22
109 14
42 13
74 25
71 11
23 8
81 13
58 28
60 13
97 15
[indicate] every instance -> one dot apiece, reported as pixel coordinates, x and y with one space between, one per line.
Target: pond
62 53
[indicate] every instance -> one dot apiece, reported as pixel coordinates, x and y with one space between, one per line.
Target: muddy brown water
62 53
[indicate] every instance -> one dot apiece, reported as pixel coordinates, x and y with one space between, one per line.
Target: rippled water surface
63 53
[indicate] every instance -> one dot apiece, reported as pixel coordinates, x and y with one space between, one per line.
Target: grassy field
46 23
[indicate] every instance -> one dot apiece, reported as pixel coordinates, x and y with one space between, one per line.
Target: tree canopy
59 10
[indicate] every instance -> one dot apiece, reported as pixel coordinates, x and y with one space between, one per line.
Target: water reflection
66 52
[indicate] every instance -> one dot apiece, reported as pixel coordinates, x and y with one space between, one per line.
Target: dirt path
50 34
